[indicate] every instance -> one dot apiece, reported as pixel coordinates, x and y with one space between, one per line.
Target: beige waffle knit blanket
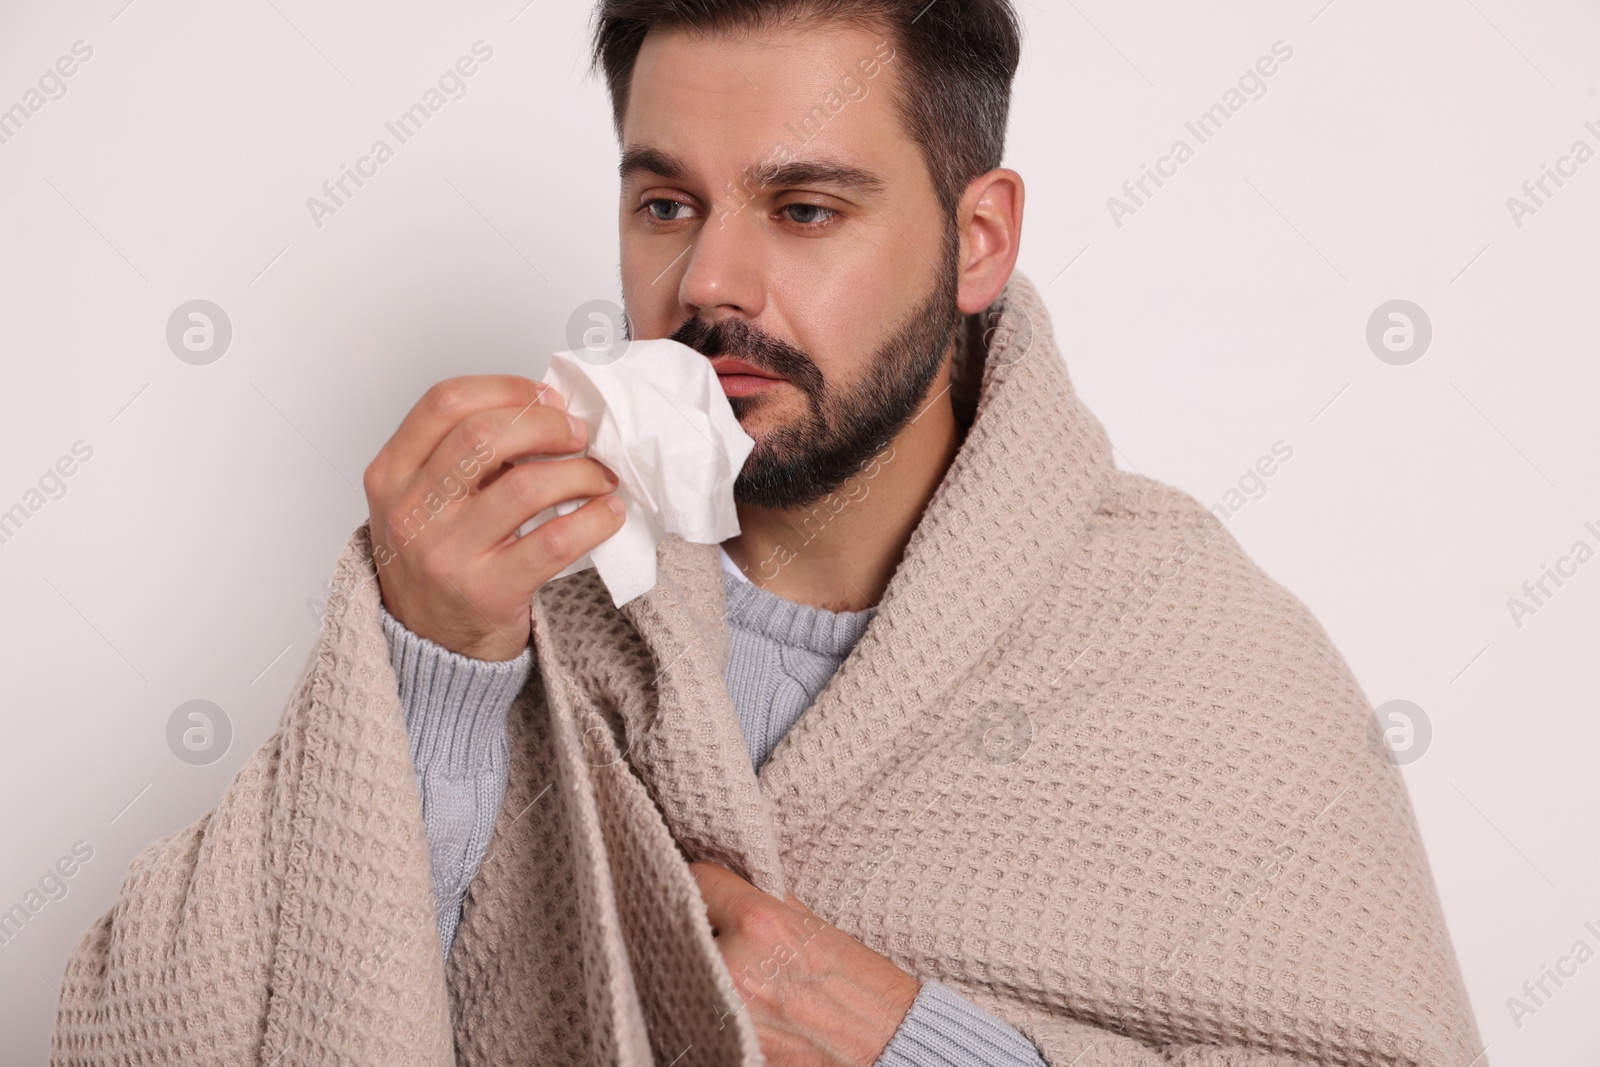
1088 765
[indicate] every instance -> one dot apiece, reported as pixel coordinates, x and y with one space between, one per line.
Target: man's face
844 289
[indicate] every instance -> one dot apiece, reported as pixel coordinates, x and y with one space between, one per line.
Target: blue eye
649 206
828 212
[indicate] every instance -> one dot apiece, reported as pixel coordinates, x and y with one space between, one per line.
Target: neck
840 552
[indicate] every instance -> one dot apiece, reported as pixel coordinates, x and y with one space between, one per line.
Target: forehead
723 106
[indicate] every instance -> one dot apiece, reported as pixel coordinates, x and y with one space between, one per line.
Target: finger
447 403
522 492
476 447
528 562
794 902
722 890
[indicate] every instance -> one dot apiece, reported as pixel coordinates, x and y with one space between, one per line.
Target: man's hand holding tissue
446 502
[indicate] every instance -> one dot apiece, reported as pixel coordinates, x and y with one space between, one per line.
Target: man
969 749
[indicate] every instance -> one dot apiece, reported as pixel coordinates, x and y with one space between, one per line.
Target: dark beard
797 465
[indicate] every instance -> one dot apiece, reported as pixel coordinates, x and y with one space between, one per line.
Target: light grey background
1227 314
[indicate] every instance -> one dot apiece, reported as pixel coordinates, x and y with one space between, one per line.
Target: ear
989 220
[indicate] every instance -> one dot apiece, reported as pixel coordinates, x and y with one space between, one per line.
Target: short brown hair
957 59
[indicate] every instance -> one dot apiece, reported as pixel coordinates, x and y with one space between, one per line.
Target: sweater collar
1014 502
791 623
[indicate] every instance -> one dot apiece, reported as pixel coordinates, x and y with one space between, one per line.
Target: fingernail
611 475
616 505
580 429
551 398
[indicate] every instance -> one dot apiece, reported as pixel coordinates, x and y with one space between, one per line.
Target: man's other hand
815 994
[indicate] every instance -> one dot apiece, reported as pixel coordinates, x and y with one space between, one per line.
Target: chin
748 409
753 429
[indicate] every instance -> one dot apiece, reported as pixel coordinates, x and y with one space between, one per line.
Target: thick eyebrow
638 159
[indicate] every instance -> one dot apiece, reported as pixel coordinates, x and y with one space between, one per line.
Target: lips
725 367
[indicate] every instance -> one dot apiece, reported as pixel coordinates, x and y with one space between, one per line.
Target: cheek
651 310
840 318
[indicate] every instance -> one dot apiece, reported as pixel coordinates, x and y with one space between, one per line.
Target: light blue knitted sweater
783 653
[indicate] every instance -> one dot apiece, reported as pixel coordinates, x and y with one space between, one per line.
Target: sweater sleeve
945 1029
455 712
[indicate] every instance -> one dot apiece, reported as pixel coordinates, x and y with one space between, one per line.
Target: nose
724 270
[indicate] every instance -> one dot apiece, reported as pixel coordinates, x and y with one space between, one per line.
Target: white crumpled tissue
658 417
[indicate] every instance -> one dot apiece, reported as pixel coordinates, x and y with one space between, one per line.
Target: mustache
743 340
